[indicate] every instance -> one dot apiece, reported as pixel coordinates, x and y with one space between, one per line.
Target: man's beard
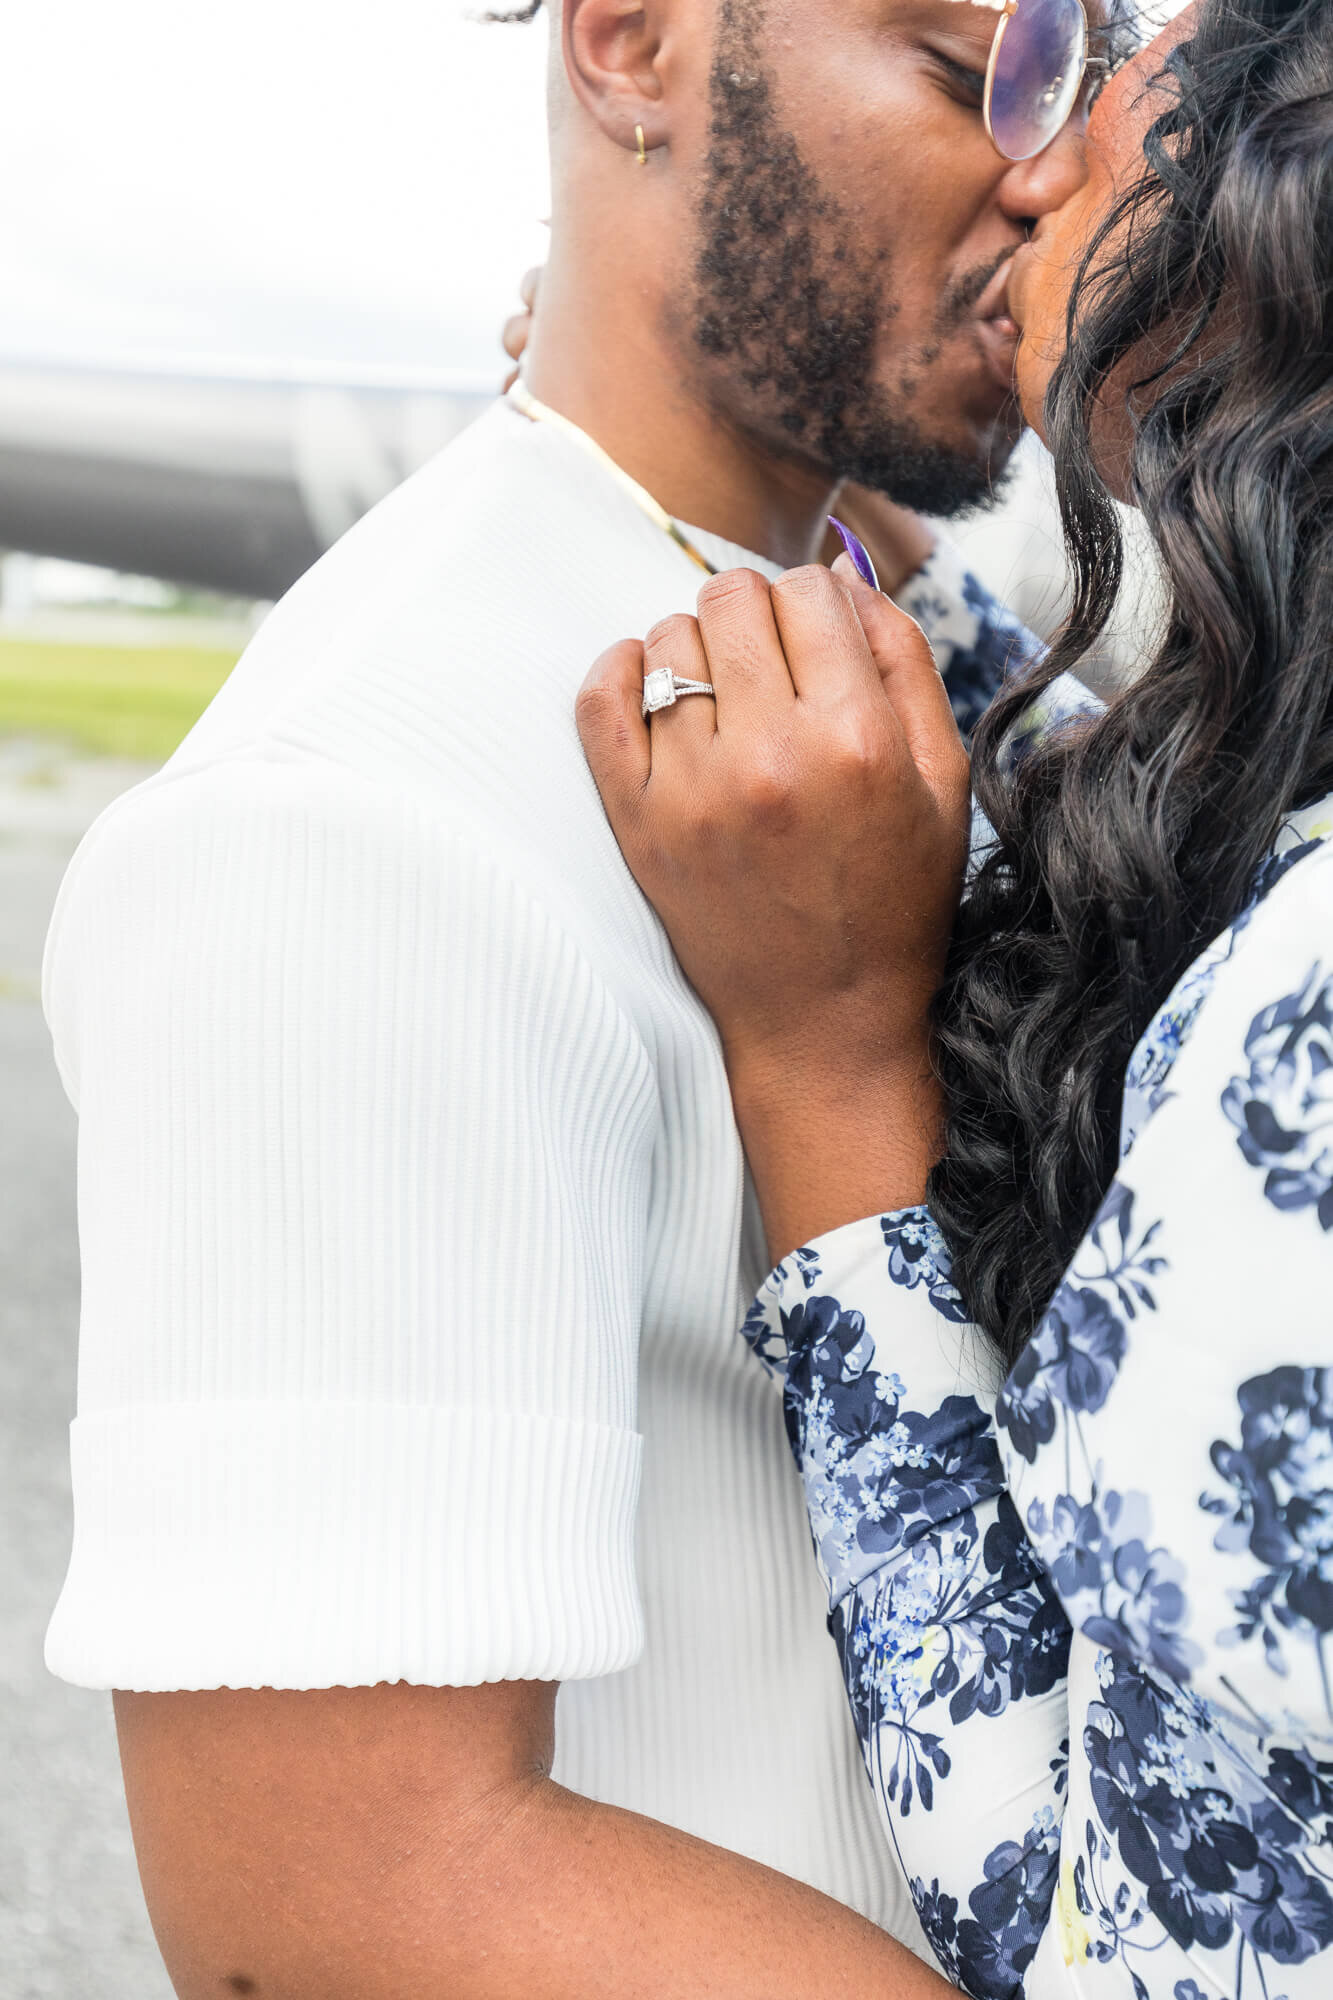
784 299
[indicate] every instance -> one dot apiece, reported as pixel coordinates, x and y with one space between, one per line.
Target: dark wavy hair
1125 844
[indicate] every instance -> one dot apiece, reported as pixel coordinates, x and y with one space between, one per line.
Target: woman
1063 1403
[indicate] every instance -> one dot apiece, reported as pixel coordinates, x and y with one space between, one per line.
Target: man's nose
1033 188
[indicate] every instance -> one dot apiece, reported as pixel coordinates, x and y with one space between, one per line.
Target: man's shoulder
507 526
414 575
502 566
415 693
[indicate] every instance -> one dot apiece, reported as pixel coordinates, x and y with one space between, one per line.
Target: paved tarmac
72 1921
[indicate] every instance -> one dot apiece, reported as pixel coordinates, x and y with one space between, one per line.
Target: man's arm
369 1843
365 1147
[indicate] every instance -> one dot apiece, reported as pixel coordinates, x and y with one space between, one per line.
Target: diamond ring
662 688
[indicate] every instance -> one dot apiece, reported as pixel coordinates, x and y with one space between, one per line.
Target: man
412 1209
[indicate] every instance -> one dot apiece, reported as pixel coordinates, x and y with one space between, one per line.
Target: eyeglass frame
1008 10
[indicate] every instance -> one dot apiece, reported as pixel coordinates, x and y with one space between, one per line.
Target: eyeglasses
1038 61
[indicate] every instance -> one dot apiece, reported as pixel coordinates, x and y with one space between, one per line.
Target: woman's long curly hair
1123 846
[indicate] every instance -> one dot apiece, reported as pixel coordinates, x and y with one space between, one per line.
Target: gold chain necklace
526 403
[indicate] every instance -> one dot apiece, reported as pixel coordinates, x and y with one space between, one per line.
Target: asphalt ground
72 1920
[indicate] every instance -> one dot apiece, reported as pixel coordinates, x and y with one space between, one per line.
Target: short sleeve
363 1167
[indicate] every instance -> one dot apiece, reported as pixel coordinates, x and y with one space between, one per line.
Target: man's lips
994 301
996 328
1018 269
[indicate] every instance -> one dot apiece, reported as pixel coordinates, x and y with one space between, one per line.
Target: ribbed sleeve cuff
297 1545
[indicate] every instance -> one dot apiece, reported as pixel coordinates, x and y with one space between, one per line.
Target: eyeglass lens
1037 75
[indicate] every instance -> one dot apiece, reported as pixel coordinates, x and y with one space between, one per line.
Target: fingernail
858 552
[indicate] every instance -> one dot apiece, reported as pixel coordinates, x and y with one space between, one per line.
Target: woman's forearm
954 1647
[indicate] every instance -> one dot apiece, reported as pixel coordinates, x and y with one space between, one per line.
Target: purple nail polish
858 552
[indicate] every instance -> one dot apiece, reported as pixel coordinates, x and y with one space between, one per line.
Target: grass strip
120 701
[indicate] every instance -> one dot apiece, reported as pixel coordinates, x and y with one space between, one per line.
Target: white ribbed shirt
412 1212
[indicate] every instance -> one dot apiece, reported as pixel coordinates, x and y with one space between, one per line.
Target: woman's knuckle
671 633
808 583
767 790
860 748
732 590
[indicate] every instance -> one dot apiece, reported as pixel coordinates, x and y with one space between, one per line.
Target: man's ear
611 50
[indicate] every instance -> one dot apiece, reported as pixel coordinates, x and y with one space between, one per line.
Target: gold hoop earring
642 155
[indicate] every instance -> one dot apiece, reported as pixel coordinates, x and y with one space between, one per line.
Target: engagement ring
662 688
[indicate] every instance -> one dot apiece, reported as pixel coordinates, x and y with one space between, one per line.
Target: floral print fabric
1085 1614
977 642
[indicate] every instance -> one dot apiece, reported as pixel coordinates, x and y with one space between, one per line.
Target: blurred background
253 266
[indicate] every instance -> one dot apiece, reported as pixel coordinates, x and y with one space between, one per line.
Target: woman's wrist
827 1145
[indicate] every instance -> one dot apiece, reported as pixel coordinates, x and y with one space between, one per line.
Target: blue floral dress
1085 1613
977 642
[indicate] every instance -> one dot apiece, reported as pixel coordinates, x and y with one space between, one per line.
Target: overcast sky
335 183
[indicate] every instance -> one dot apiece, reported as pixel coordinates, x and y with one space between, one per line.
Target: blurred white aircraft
230 478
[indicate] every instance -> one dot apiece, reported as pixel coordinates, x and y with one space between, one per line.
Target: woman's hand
803 839
514 336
